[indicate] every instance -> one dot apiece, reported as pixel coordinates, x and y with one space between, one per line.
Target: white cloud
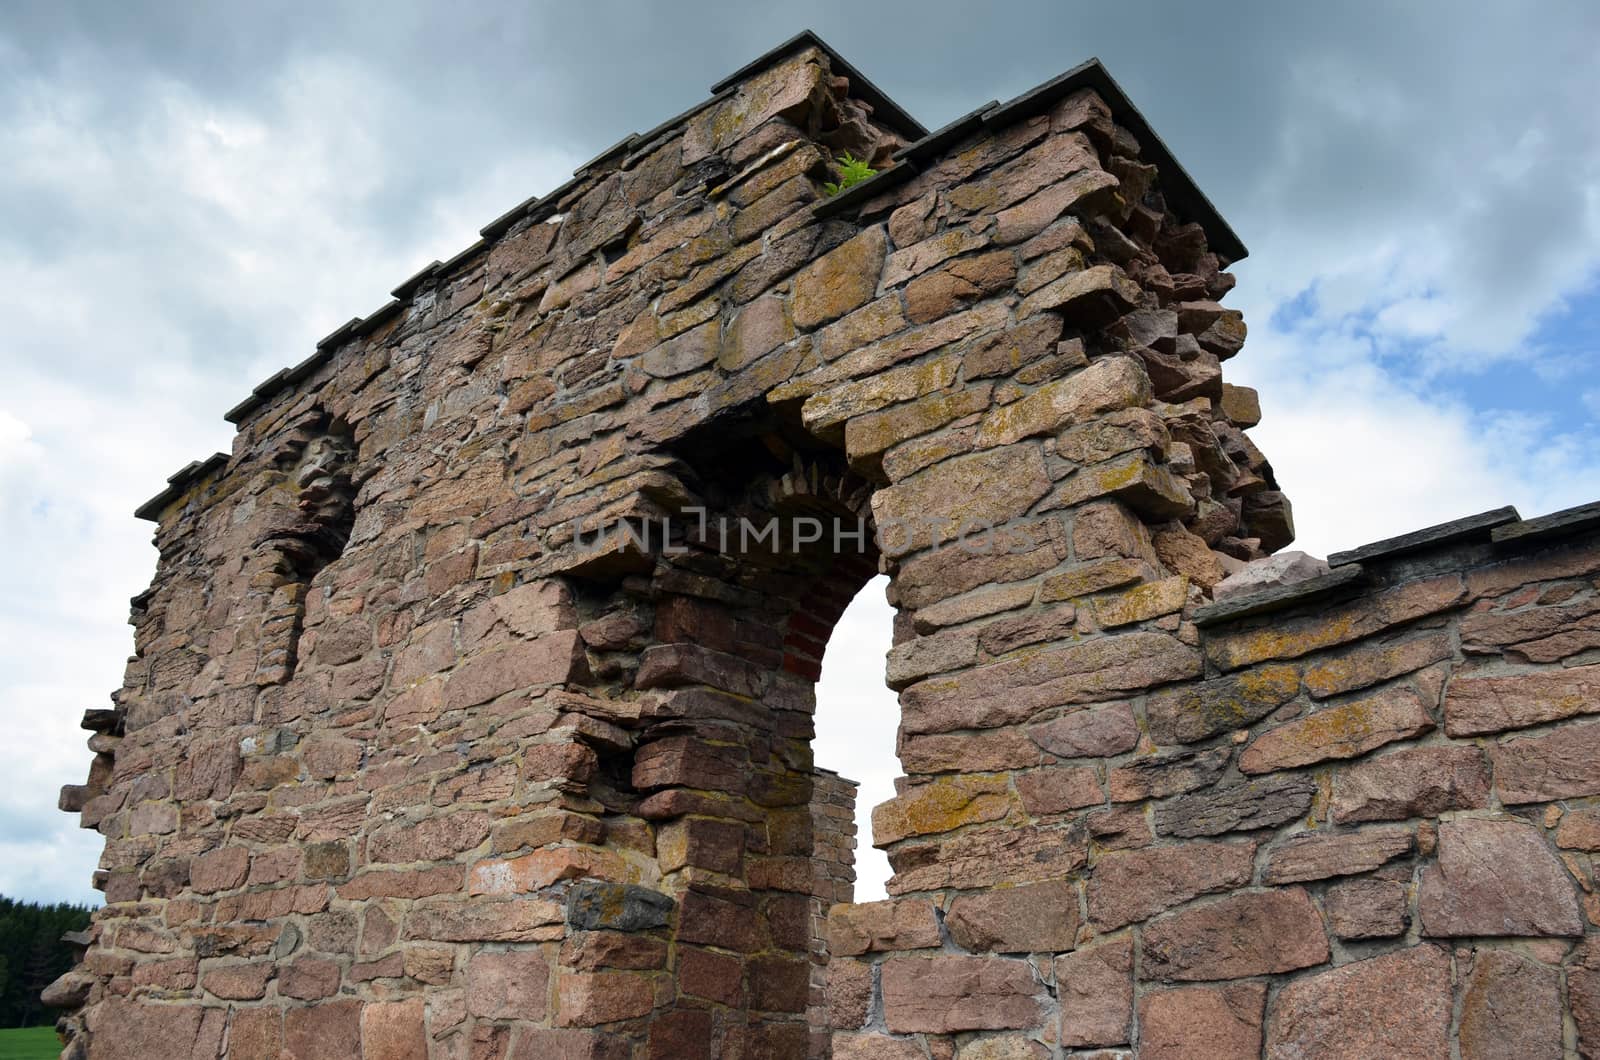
857 716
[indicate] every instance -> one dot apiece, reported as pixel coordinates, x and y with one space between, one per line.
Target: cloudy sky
191 195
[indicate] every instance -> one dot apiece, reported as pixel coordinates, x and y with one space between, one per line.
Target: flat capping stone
621 147
409 286
1182 193
870 188
371 321
648 141
334 337
1280 597
946 135
177 482
1548 527
1457 531
884 109
502 224
463 257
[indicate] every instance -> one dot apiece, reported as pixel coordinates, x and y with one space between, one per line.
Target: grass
29 1043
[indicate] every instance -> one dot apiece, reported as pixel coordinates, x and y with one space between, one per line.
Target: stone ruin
457 727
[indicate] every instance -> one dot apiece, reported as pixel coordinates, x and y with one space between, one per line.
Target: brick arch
541 783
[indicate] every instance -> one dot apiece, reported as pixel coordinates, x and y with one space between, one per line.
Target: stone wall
458 726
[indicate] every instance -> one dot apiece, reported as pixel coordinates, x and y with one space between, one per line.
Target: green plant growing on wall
852 171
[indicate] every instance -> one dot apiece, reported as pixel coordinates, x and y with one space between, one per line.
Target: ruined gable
471 706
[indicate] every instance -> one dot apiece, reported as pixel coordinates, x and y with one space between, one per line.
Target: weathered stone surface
394 1030
1496 877
1369 664
1262 803
1158 776
1292 638
1202 1022
1579 830
941 995
1140 603
1394 1005
1092 577
1316 856
327 1031
1017 689
1477 705
1148 488
1344 731
588 999
1039 917
1411 782
1367 908
1096 294
943 804
959 284
1269 572
1096 732
1245 934
593 905
1511 1009
1013 855
1107 385
1095 986
1563 764
1198 711
843 279
896 924
875 1047
1058 789
1242 405
1583 990
508 985
966 495
1112 434
1133 885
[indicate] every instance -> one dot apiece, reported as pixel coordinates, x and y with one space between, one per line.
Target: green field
29 1043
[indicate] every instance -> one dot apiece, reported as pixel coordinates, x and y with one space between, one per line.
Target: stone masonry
458 729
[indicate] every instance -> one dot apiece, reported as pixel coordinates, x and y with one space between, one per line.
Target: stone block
841 280
1038 917
1345 731
1200 710
1095 986
1511 1009
1496 877
1132 885
944 995
509 985
1316 856
886 926
1108 385
1562 764
1411 782
1244 934
1397 1004
1202 1022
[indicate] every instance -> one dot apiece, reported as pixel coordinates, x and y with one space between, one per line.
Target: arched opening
857 715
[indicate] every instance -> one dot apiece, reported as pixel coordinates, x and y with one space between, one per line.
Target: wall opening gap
857 716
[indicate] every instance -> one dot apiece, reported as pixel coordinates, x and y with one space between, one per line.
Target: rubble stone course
458 727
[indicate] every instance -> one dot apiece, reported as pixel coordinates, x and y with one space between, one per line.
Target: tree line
32 956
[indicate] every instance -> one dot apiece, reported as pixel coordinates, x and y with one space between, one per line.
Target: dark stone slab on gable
1279 597
1545 527
1469 528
